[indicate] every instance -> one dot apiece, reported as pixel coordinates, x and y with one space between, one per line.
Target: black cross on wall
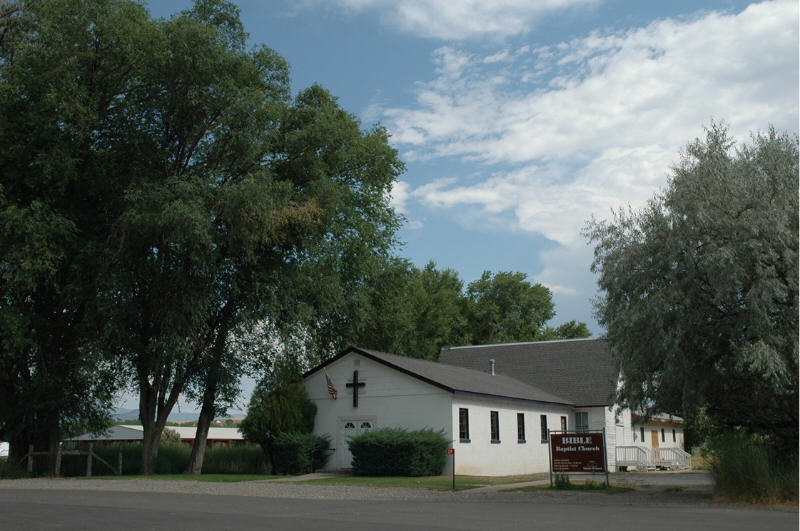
355 385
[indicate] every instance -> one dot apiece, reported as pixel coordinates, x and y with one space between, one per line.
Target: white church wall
481 457
667 441
389 398
605 418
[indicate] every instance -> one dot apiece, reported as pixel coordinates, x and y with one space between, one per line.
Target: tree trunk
201 435
18 448
208 409
149 451
151 432
53 442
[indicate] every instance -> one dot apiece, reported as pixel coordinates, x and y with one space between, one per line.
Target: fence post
89 461
30 459
58 460
119 460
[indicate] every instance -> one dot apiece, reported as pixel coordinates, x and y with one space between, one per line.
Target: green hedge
398 452
171 459
292 452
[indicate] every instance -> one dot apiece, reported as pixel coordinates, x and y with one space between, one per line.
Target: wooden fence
90 457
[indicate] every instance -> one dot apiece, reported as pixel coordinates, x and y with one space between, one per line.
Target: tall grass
746 468
236 460
172 458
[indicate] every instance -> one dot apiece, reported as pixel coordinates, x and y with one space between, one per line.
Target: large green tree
505 307
700 288
201 205
335 179
67 79
399 308
161 193
244 188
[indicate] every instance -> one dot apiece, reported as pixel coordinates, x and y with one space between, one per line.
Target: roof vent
491 366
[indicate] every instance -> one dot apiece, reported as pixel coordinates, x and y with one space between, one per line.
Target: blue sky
518 120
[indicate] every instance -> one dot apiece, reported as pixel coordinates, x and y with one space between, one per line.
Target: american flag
331 389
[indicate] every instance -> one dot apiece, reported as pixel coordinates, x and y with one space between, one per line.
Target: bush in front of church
398 452
300 453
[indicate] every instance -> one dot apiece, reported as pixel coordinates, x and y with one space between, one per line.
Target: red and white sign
451 451
577 452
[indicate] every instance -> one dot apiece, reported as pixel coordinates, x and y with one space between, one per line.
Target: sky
520 120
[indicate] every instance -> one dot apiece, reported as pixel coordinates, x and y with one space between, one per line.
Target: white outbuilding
135 433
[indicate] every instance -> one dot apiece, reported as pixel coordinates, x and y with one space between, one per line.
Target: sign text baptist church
583 452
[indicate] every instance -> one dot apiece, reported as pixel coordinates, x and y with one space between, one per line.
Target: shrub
279 404
398 452
300 453
235 460
169 436
561 481
746 468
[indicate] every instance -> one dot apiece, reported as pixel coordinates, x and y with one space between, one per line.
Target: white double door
350 428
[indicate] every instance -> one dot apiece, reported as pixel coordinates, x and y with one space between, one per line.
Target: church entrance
350 428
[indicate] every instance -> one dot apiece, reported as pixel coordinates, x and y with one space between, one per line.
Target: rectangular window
563 423
582 421
662 435
520 427
673 436
495 425
543 421
641 432
463 424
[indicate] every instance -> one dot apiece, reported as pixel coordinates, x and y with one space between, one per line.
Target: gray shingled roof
457 380
581 370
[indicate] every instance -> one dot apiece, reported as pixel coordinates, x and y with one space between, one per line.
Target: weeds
746 468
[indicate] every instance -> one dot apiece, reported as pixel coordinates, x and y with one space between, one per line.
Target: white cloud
398 199
462 19
578 128
566 273
399 196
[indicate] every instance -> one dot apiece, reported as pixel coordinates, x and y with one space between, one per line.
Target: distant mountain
175 416
125 414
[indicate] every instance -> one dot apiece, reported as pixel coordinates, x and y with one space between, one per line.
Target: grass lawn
426 482
213 478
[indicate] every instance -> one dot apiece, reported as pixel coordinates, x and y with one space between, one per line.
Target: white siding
392 398
389 399
481 457
617 423
657 427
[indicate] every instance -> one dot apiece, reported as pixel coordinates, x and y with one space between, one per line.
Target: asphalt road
31 510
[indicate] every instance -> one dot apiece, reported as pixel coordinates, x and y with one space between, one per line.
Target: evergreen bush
398 452
300 453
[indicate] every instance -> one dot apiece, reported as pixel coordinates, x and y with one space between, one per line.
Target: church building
494 403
